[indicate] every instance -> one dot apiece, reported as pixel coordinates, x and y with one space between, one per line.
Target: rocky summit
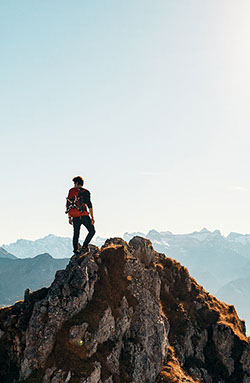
122 313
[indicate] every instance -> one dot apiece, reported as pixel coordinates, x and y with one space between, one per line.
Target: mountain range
221 264
16 275
120 314
4 254
57 247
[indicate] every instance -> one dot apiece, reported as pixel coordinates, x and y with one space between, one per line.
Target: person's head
78 181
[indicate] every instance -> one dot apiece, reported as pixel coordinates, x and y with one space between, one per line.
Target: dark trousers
77 222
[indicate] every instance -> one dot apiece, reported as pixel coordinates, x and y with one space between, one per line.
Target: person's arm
90 207
92 215
70 219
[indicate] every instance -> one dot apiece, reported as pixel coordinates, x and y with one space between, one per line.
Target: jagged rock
105 331
48 374
1 333
121 314
202 339
245 362
143 249
77 333
26 294
68 377
95 375
224 341
59 376
41 332
109 380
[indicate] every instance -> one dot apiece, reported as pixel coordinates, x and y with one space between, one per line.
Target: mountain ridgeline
5 255
123 313
220 264
18 274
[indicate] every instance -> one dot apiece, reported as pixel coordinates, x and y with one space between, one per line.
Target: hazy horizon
84 232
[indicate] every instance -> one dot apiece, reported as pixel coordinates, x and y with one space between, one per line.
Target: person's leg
86 221
76 226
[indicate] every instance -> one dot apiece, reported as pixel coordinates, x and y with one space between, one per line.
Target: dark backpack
75 200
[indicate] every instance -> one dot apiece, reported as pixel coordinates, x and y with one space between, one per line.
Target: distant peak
217 232
204 230
44 255
233 234
166 233
153 232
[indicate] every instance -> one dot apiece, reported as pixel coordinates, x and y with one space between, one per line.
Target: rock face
124 313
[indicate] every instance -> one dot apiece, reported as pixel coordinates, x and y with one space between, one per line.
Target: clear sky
148 100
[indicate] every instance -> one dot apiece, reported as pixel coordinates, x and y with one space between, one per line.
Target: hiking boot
84 249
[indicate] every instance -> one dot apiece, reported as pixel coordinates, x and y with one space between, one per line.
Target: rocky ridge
124 313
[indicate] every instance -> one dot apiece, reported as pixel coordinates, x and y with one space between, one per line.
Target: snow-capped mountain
239 243
220 258
57 247
215 261
221 264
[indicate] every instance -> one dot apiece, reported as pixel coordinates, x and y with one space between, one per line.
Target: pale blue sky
148 100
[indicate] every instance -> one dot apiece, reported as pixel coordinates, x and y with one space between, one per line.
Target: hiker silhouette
78 208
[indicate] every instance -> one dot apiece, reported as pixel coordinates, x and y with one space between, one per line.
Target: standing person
76 206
